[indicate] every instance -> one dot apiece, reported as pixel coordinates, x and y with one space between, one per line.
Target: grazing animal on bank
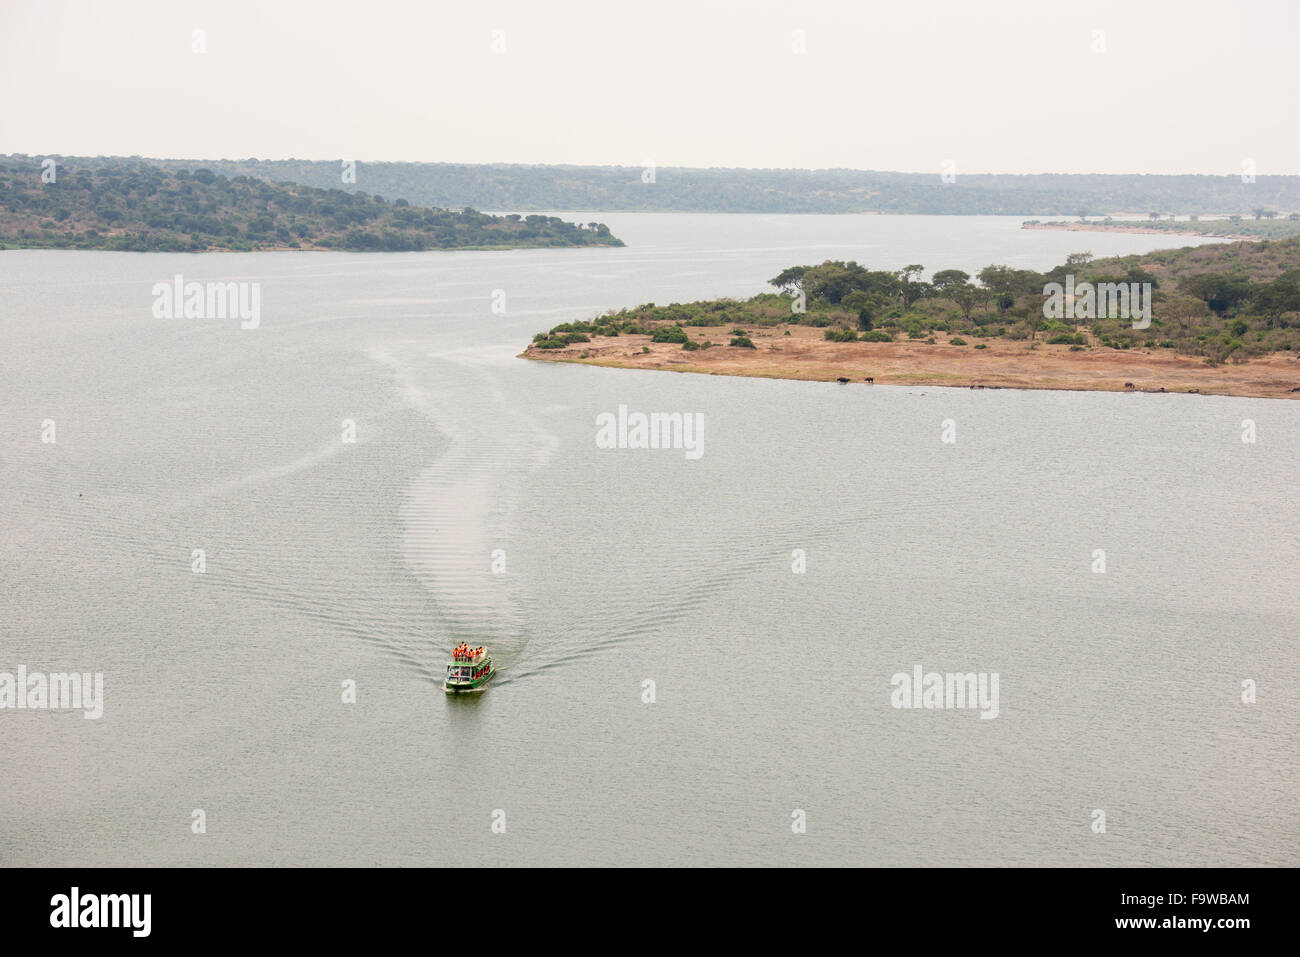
1128 385
870 379
841 380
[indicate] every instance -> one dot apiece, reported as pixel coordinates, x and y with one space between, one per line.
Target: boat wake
459 510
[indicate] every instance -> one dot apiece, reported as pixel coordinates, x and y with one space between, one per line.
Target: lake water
326 562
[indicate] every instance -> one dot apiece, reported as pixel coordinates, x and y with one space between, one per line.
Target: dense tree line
133 205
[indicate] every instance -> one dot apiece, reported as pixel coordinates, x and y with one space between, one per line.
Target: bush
956 341
876 335
841 335
669 334
1066 339
981 345
744 342
690 345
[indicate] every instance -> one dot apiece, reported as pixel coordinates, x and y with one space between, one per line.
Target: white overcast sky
1183 86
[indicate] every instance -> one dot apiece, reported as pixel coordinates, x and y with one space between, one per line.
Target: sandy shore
805 354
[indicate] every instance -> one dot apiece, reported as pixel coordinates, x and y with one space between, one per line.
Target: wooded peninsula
132 205
1221 318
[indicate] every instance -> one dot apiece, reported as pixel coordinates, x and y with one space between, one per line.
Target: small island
133 206
1219 319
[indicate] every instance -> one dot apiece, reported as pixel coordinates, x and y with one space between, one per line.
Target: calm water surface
328 562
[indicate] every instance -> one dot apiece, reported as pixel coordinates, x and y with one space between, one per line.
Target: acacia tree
967 297
909 284
790 279
864 305
1219 291
1280 296
946 280
1182 311
1006 284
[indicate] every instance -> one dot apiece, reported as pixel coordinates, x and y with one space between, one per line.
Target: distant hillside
679 189
133 205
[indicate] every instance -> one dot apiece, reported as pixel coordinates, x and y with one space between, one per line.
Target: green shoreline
133 206
4 247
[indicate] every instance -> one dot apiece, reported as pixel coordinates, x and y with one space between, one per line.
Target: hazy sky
1193 86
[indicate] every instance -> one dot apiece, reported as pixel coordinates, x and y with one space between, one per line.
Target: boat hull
468 687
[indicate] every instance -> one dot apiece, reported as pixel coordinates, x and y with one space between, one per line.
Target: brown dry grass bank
806 354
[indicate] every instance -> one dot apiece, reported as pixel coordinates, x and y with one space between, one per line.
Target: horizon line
609 166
